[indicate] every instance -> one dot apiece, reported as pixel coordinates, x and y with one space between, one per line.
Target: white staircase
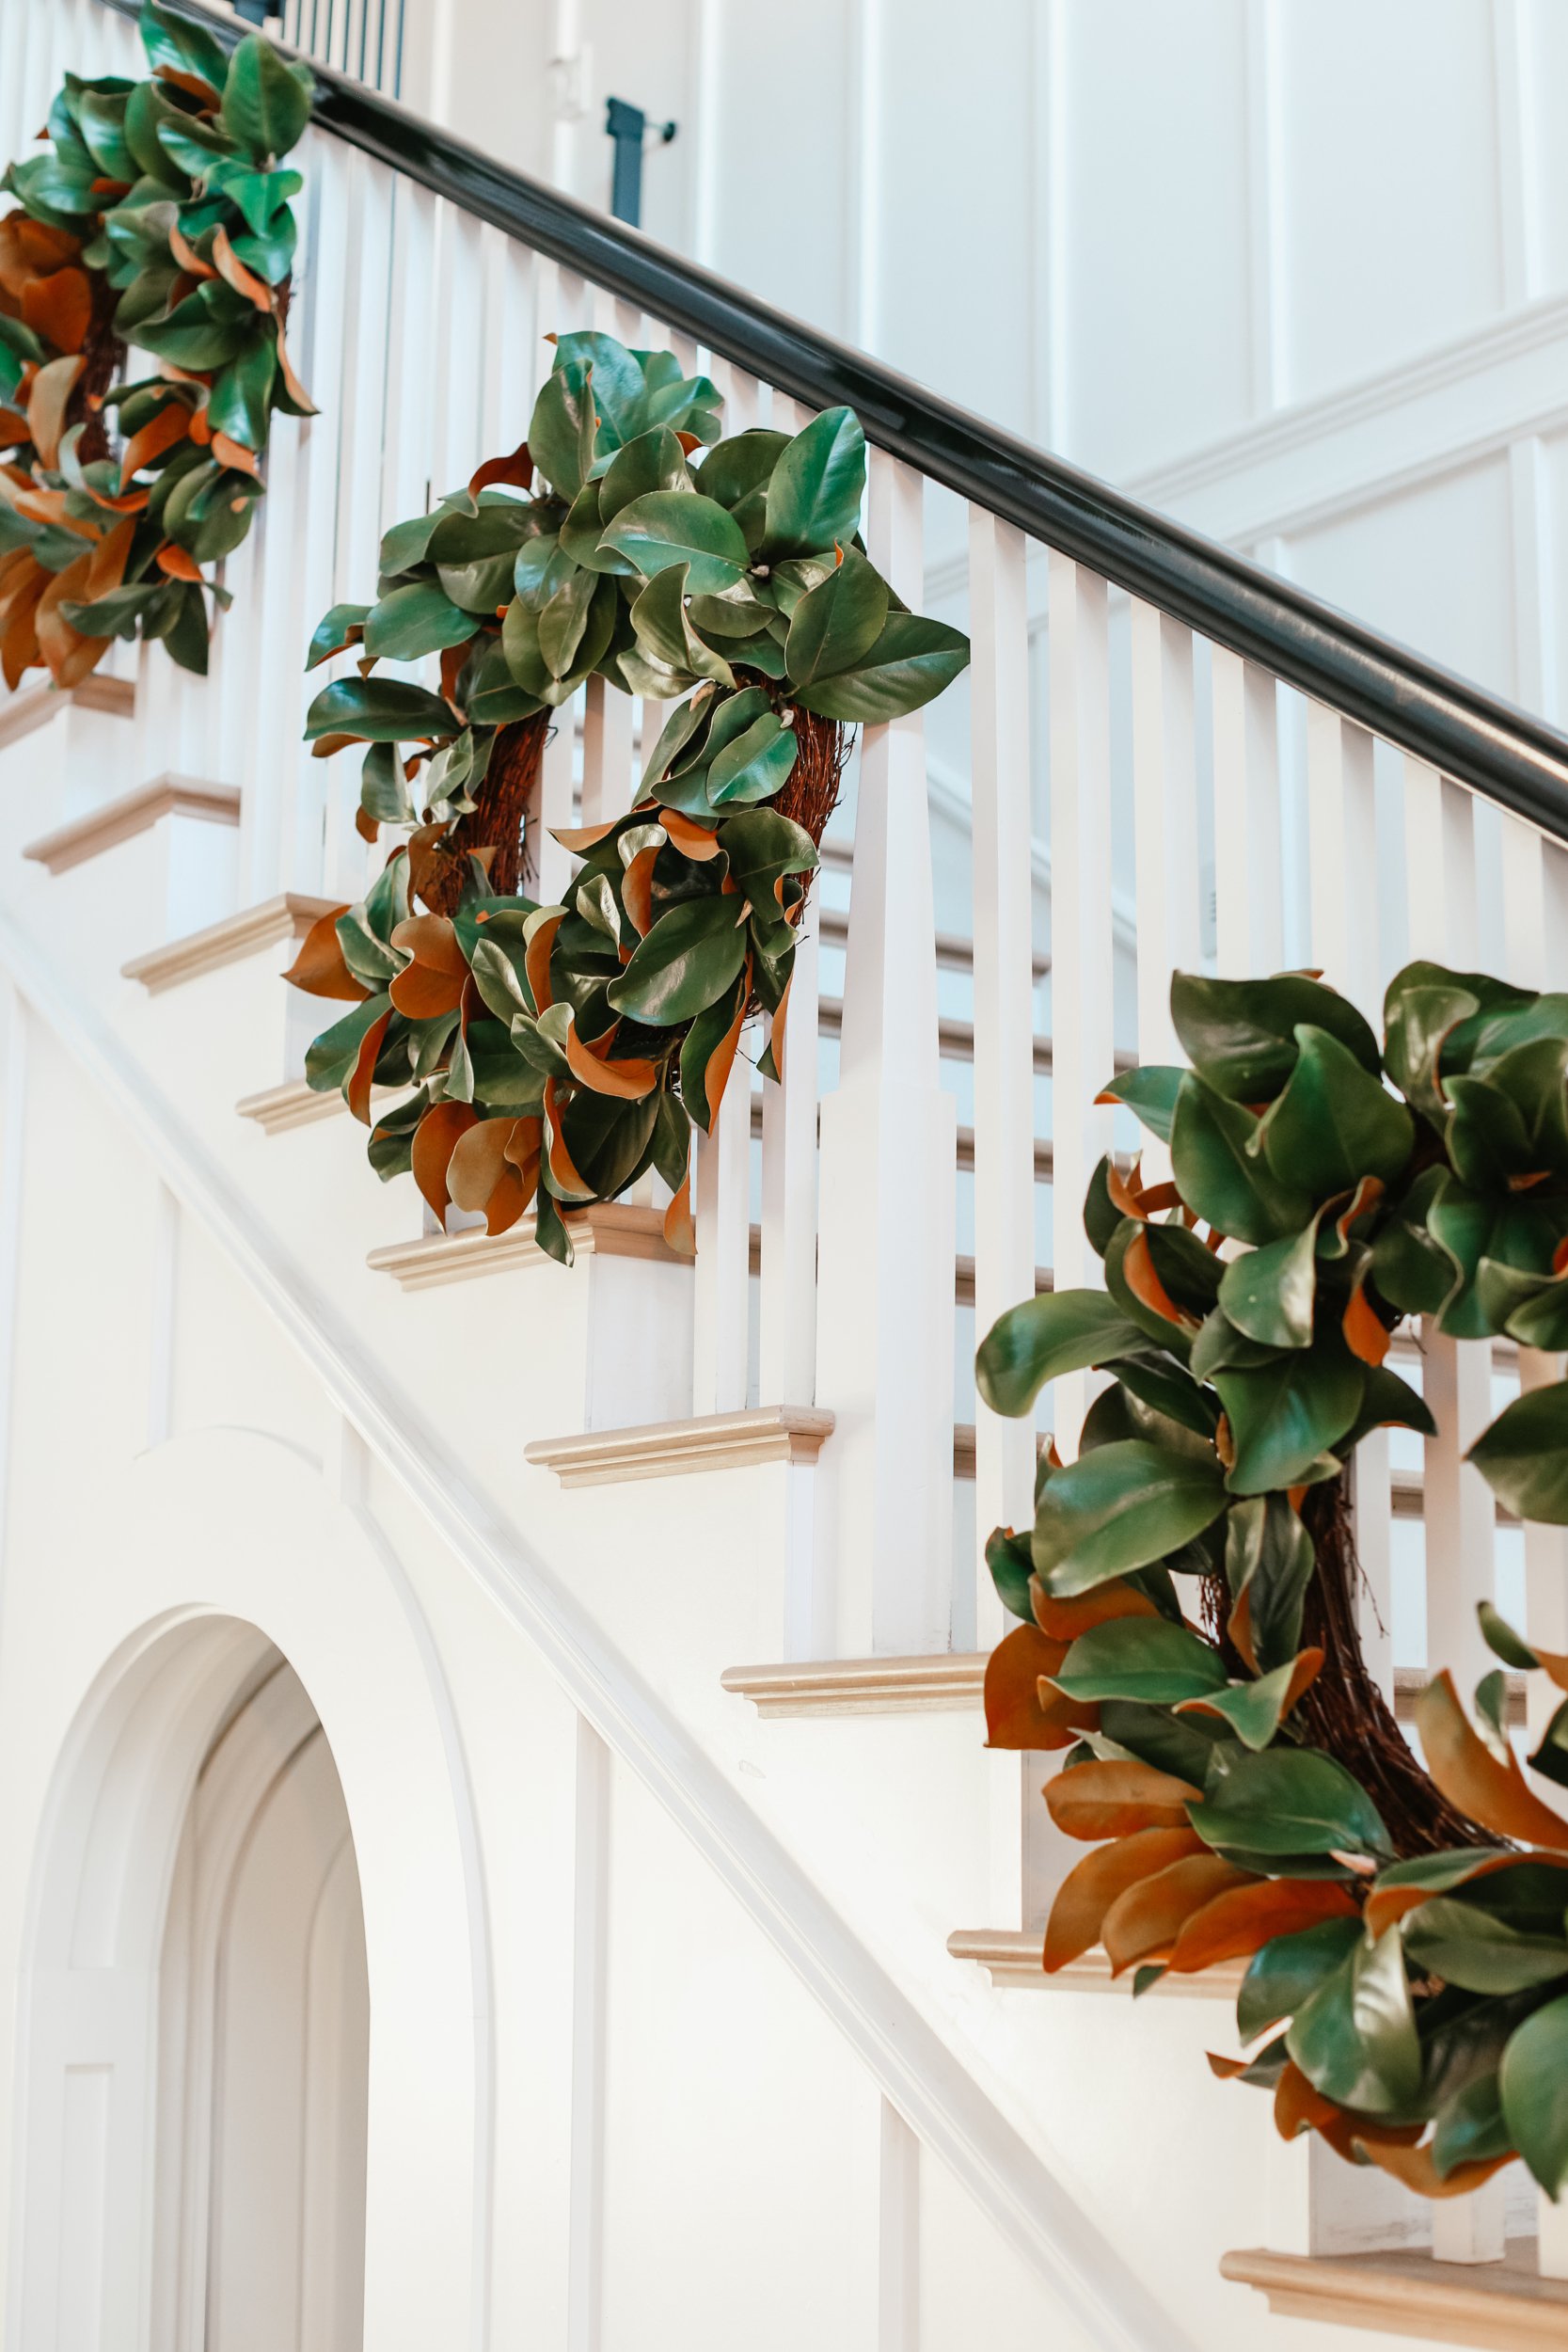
644 1606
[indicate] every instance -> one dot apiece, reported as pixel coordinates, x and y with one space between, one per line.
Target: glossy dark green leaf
414 620
1286 1801
1059 1331
344 626
664 630
755 765
1469 1945
1120 1507
652 461
1333 1122
176 40
669 527
1355 2038
815 487
1534 2079
379 709
912 661
1149 1092
1531 1308
1285 1416
1011 1567
266 100
835 626
560 431
1269 1558
1471 2127
619 385
1283 1977
1518 1229
740 464
382 793
689 957
1140 1657
1411 1268
1523 1456
564 620
1268 1295
331 1058
1218 1174
1241 1034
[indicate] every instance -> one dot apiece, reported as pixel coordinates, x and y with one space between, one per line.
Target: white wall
1149 234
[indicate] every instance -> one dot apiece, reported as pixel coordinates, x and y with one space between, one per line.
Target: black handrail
1508 755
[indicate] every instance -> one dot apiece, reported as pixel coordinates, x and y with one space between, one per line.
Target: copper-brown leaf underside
1064 1620
1092 1886
319 968
1492 1792
1145 1922
1014 1716
435 1140
629 1081
358 1092
1106 1800
1242 1919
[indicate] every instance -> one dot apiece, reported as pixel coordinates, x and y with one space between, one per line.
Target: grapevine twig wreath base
158 218
558 1052
1188 1593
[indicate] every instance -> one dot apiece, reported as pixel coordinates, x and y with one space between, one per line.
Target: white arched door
263 2046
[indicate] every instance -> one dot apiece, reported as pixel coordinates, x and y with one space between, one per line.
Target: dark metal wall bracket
629 126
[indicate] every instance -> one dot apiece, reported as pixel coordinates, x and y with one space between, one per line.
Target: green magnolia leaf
176 40
910 662
1333 1122
834 626
1241 1034
266 100
1285 1416
1288 1800
755 765
1356 2039
663 629
1502 1640
1470 2128
1140 1657
344 626
669 527
817 485
1058 1332
1150 1091
1253 1709
1007 1558
1120 1507
620 388
329 1062
1531 1308
1467 1946
654 461
739 465
563 621
1268 1295
1534 2079
1269 1559
1410 1267
1523 1456
1221 1176
380 710
689 957
1518 1230
414 620
1282 1977
560 434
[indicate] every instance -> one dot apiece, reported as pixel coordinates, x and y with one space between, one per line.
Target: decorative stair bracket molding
884 1349
195 826
926 2081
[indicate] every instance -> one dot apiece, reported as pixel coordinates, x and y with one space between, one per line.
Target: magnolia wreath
558 1052
1188 1595
159 218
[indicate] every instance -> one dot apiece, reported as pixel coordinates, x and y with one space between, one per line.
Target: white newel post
886 1248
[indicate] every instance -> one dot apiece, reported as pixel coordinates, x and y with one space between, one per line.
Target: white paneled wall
1232 228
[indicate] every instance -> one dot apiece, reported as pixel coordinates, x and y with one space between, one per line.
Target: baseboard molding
611 1228
1013 1956
863 1686
1504 2306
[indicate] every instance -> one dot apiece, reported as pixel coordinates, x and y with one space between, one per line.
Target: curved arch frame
152 1638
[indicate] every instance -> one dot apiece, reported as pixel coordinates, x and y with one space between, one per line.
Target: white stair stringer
921 2076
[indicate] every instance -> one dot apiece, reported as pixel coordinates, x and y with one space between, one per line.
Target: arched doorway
263 2045
196 2026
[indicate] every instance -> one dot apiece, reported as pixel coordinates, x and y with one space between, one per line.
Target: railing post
1082 951
885 1255
1248 929
1003 913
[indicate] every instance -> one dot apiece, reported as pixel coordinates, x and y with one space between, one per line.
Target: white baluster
1165 800
1082 951
1460 1518
885 1255
721 1301
788 1287
1003 830
1248 911
457 438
